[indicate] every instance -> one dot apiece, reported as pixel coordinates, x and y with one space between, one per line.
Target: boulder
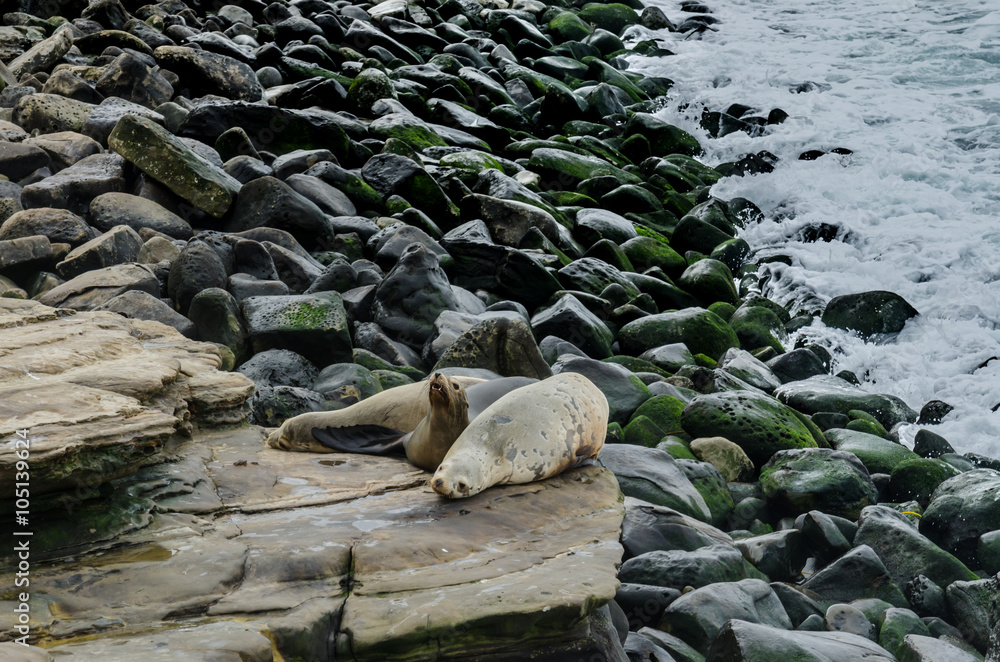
652 475
312 325
500 344
170 161
758 424
878 455
649 528
59 225
961 510
742 641
94 288
625 392
111 209
679 569
868 313
702 331
833 482
210 73
74 187
827 393
858 574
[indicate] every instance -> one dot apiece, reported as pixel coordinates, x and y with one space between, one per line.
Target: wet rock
269 202
65 147
702 331
412 295
312 325
168 160
50 113
652 475
920 648
587 331
18 160
197 268
857 574
822 535
797 364
975 609
741 641
758 424
747 367
648 528
392 174
833 482
699 616
216 315
502 345
827 393
728 458
129 78
961 510
348 378
116 246
712 487
74 187
868 313
780 555
679 569
757 327
878 455
43 55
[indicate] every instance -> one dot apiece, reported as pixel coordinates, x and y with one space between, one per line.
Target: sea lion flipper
366 439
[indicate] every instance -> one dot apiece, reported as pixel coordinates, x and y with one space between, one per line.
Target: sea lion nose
439 482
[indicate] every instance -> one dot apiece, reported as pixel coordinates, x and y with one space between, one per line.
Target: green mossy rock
733 253
694 234
962 509
870 427
558 165
368 87
647 252
408 128
663 410
642 431
375 363
347 379
827 393
896 624
757 327
868 313
676 448
712 487
663 138
710 281
832 482
567 26
636 365
390 379
917 479
878 455
613 16
702 331
758 424
723 309
313 325
168 160
471 161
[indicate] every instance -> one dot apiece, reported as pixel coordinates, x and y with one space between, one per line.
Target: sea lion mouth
438 391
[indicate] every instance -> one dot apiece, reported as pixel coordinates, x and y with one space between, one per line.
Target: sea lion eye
462 487
455 386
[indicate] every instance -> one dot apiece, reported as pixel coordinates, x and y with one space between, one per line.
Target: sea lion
400 408
534 432
445 406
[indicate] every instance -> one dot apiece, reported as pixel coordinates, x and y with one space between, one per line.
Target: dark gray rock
648 528
868 313
679 569
796 364
624 391
59 225
742 641
858 574
138 304
74 187
348 379
961 510
500 344
280 367
18 160
571 319
128 77
216 315
111 209
270 202
273 405
330 200
780 555
197 268
203 73
834 482
116 246
312 325
653 475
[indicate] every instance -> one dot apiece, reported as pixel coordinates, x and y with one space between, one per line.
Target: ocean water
913 89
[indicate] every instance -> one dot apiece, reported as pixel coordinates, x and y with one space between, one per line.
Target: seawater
913 89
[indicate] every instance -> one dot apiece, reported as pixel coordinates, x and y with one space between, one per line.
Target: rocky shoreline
345 197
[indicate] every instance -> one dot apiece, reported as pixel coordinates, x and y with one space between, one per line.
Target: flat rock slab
316 552
99 394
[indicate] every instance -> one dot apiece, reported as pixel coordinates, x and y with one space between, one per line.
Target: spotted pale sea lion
532 433
422 419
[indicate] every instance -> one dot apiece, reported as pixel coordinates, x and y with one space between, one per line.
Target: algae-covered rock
832 482
962 509
758 424
500 344
832 394
313 325
613 16
743 641
664 411
711 281
858 574
869 313
917 479
712 487
757 327
652 475
728 458
906 552
369 86
155 151
878 455
702 331
560 165
645 252
679 568
663 138
567 26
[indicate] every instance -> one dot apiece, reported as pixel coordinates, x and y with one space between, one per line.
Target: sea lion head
447 397
458 478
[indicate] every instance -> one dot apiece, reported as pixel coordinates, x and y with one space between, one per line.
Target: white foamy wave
913 89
